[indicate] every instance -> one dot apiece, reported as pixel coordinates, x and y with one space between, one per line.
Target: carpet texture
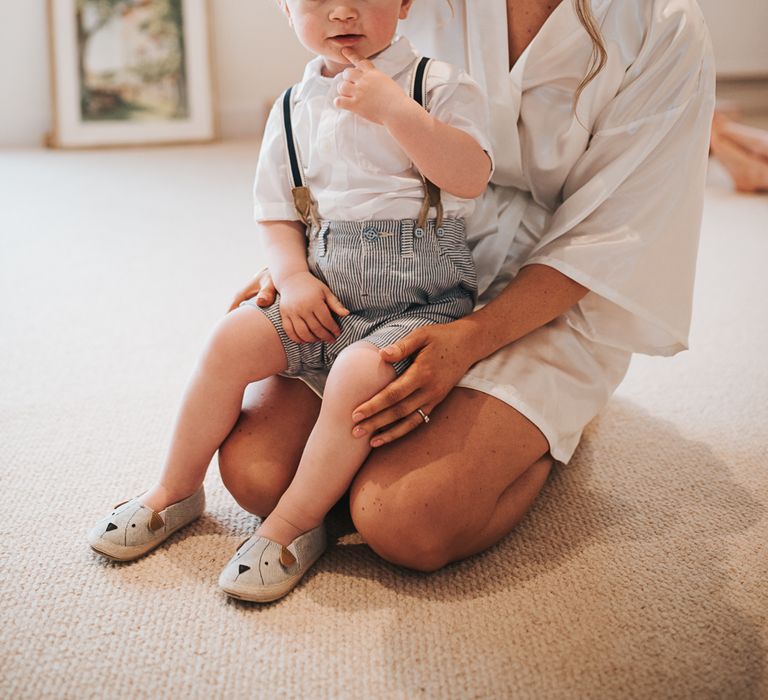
640 572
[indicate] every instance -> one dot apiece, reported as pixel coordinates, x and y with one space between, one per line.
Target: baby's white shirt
354 168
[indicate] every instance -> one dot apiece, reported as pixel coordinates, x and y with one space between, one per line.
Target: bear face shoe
262 570
132 529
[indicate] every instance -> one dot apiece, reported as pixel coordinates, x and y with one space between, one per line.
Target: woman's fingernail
358 432
357 416
376 443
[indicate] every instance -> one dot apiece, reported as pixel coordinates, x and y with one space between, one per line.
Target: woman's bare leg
243 347
332 455
451 488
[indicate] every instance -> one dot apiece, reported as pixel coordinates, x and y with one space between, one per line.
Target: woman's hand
305 309
443 356
261 287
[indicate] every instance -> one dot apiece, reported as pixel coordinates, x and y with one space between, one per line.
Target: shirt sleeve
272 197
628 226
456 99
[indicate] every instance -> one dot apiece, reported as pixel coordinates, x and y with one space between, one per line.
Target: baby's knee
357 372
228 345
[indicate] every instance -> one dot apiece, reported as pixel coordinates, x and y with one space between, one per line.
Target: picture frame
130 73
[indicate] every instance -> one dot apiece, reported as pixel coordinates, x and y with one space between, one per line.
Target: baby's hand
367 91
305 308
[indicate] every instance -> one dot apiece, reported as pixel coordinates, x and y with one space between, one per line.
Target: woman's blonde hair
599 54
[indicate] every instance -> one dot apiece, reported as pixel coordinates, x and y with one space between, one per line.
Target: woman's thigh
259 457
436 494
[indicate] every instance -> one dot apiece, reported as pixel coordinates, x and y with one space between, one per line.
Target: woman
743 151
585 245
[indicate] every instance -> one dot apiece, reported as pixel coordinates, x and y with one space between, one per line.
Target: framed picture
130 72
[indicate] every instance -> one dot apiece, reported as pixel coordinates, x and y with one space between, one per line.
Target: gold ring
423 415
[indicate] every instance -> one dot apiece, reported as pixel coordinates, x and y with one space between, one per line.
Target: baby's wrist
280 280
399 112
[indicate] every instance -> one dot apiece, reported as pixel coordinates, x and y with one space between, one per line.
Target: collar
391 61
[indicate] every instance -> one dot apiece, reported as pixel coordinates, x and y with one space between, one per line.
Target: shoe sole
137 551
266 594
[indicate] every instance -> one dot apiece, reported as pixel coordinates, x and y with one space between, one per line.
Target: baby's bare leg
332 456
244 347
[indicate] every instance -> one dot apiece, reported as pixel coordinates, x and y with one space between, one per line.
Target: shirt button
370 234
419 233
440 232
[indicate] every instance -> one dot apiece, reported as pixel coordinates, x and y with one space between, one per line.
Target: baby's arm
305 302
447 156
285 244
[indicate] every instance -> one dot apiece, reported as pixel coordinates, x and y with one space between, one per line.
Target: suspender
417 84
431 190
302 199
296 174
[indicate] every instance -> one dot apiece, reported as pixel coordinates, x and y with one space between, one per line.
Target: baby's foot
262 570
131 529
280 530
159 497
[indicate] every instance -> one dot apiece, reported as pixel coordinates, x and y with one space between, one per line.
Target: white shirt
354 169
612 197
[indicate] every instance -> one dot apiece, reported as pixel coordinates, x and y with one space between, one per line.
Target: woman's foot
132 529
262 570
743 151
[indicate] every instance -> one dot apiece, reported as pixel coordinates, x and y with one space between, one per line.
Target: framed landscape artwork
130 72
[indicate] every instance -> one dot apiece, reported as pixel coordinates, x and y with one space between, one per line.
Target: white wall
256 56
739 31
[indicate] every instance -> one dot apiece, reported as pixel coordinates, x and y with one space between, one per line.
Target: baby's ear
405 8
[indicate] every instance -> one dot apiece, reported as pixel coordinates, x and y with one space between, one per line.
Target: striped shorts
392 276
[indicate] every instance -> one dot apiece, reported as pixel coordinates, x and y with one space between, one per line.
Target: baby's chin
335 61
333 65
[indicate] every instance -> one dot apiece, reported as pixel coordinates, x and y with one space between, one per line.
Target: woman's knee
397 523
256 485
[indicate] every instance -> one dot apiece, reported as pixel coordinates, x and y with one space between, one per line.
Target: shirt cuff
279 211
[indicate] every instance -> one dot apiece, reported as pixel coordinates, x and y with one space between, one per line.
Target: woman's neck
524 20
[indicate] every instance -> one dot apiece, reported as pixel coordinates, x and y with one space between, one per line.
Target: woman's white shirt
610 195
355 169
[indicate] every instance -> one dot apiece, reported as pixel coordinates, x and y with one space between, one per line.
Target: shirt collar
391 61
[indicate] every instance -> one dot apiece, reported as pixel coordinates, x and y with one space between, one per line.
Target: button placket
369 236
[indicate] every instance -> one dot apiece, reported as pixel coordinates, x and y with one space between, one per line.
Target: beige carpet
640 573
